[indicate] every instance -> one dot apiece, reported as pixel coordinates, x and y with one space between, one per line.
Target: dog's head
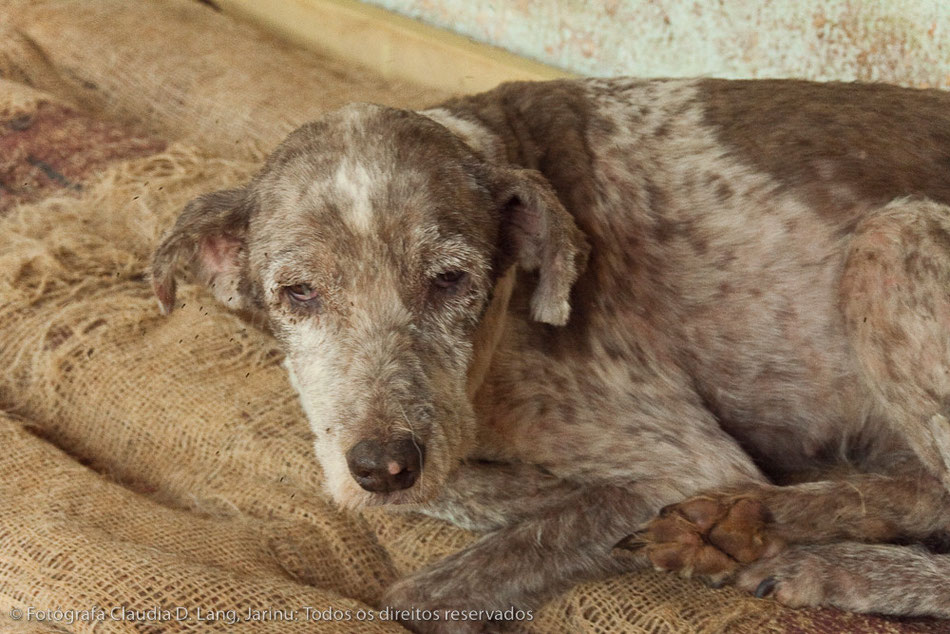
371 243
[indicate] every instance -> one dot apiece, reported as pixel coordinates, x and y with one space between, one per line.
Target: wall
899 41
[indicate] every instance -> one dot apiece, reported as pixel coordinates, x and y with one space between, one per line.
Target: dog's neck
489 332
492 323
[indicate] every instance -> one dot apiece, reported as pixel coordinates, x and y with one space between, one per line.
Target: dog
703 320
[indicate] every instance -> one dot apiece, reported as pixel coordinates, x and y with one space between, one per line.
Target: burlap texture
151 461
48 146
18 99
182 71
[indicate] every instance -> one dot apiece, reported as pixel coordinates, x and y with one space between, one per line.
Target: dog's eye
450 281
302 294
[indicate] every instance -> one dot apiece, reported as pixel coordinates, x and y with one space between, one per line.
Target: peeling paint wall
898 41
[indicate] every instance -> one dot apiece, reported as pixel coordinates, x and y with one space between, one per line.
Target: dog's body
757 278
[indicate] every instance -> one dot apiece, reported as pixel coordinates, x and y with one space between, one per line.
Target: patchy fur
586 300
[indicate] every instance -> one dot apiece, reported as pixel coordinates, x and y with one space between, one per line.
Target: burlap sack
83 542
48 146
214 485
182 71
153 461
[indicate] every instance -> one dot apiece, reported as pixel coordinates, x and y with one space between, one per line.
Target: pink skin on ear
217 257
219 254
219 266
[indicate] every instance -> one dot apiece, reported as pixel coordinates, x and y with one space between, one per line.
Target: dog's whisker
415 442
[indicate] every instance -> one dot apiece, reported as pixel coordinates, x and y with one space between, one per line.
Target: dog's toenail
634 541
766 587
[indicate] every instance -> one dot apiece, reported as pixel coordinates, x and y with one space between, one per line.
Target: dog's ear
209 241
541 236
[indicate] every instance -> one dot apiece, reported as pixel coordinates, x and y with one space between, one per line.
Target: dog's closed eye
450 282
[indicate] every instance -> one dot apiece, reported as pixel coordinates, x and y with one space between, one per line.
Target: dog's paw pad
709 536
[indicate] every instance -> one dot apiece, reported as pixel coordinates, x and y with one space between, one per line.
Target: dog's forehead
369 170
369 182
389 140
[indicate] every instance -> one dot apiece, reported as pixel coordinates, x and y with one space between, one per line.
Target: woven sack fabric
164 461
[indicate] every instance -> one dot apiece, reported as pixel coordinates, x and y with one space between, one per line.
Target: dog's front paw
418 607
793 579
709 536
812 576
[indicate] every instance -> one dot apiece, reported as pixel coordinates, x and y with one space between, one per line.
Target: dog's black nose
382 467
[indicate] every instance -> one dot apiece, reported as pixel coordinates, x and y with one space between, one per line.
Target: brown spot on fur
879 141
724 192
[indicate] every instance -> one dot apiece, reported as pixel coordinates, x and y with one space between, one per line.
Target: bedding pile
156 473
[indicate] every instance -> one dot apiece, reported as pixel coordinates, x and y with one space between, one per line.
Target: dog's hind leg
895 299
875 578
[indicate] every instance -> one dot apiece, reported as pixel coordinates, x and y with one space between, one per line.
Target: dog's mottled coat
584 301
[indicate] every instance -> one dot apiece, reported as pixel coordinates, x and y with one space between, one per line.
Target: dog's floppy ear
209 241
543 237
